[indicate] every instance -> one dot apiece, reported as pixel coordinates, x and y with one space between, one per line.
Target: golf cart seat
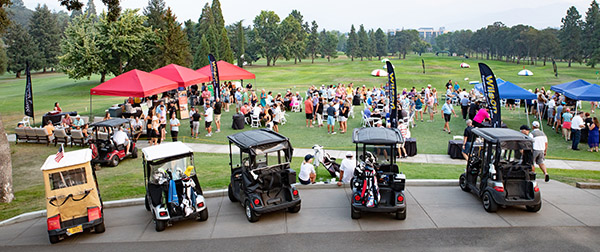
389 168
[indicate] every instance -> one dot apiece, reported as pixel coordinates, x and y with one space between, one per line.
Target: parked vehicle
377 186
261 178
173 192
73 201
104 148
500 172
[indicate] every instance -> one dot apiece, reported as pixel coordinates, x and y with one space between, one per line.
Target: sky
385 14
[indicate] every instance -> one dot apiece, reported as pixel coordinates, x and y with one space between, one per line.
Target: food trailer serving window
64 179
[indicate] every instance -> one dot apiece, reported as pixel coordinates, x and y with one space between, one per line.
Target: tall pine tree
381 43
591 35
21 48
174 47
81 55
352 44
155 12
570 36
313 41
225 47
201 57
91 9
44 30
363 43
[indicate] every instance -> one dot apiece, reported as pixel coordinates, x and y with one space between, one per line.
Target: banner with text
215 75
392 95
490 91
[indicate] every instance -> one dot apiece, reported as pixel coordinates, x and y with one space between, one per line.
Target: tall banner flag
215 74
28 93
392 94
423 63
555 68
490 91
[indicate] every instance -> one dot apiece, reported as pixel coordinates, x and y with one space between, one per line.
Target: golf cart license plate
75 230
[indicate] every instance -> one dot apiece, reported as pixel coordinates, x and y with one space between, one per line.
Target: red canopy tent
182 75
134 83
228 71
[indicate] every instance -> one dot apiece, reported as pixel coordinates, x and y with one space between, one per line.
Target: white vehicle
173 191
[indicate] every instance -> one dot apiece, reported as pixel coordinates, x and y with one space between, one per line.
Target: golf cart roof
70 158
165 150
110 122
496 135
375 135
253 138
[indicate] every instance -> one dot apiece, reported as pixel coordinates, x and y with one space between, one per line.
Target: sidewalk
419 158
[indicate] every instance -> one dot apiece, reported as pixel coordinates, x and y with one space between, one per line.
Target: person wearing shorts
331 119
196 124
308 109
540 147
208 119
217 112
467 137
447 114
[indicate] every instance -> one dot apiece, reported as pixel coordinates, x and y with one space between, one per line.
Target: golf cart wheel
100 228
230 193
250 214
534 208
147 203
488 202
294 209
114 161
160 225
134 153
53 238
462 182
202 215
355 214
401 214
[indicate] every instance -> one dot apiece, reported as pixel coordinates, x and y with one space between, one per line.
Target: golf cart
500 172
261 179
377 186
173 192
73 199
104 149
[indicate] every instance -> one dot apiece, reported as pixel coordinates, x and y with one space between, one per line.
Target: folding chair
255 121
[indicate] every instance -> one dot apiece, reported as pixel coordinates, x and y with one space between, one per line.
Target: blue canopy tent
585 93
509 90
561 88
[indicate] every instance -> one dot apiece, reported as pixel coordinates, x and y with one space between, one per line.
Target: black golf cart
261 178
377 186
104 149
173 191
500 172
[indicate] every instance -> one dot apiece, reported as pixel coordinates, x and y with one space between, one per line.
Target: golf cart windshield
64 179
174 169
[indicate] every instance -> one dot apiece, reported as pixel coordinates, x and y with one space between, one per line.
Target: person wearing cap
576 125
307 173
540 147
78 122
467 139
347 169
447 113
331 111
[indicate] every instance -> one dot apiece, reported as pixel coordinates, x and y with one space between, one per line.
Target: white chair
86 119
77 138
20 135
518 103
502 102
61 136
255 121
25 121
458 138
351 112
282 117
298 106
370 121
43 136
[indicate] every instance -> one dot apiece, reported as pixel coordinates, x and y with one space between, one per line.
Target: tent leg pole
91 107
527 111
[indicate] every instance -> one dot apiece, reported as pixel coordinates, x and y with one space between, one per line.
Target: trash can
238 121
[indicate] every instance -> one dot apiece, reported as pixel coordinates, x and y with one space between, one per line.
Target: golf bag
365 174
321 157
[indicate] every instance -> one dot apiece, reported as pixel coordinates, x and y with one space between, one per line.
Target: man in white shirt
540 147
121 138
276 117
551 105
174 122
347 169
576 126
208 118
307 173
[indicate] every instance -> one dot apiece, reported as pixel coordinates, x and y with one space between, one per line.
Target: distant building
428 33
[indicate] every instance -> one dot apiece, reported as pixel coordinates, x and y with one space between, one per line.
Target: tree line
577 40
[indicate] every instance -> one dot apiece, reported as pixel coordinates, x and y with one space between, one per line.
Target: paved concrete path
419 158
328 211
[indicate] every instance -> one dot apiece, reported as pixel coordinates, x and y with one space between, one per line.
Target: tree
155 12
6 190
267 35
75 13
174 47
342 39
114 9
201 57
363 43
217 14
44 30
591 35
21 48
352 44
212 37
381 43
328 44
299 48
570 36
313 41
123 42
403 41
238 39
225 47
3 58
252 51
81 55
372 44
91 9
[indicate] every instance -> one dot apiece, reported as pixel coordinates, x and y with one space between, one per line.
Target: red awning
228 71
182 75
134 83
